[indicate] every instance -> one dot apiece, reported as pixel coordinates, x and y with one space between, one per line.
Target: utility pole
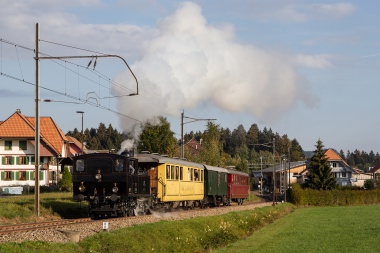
182 123
274 173
37 132
262 177
37 58
81 137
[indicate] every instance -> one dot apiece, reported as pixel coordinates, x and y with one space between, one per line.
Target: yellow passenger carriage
173 182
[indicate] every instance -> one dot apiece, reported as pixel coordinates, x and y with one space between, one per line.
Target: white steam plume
190 62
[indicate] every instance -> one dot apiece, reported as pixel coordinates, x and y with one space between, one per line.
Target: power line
101 75
83 101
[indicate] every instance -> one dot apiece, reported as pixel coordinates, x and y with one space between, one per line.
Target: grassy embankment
198 234
315 229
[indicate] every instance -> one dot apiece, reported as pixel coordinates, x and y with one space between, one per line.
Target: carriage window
181 173
119 166
167 171
196 176
79 165
176 172
131 167
202 171
191 174
172 172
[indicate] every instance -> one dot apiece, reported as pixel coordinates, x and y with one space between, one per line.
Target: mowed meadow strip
317 229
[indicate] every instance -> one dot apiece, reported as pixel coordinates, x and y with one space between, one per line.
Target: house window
7 175
22 175
334 165
344 174
7 160
22 145
8 145
21 160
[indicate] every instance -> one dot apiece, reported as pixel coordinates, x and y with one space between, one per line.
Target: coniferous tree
320 176
66 182
211 151
296 151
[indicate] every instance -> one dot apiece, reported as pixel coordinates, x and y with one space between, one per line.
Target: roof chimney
18 110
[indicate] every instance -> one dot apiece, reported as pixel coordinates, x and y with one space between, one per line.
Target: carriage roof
155 158
213 168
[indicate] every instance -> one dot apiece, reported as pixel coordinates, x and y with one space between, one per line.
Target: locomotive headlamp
98 176
81 187
115 189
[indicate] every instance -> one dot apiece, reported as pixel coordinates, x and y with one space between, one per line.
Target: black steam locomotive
112 184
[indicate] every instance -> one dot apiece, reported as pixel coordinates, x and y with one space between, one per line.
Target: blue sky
308 69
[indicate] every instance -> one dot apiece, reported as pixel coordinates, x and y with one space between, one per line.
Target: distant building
194 146
17 151
343 173
285 173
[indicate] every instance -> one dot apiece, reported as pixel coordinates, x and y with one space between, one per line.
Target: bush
66 182
337 197
369 184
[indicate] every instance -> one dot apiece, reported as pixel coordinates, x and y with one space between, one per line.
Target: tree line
239 148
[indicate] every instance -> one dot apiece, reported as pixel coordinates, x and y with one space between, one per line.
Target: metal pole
262 177
182 144
37 131
285 181
289 166
274 173
81 131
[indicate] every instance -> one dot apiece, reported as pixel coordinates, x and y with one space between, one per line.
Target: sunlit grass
21 209
317 229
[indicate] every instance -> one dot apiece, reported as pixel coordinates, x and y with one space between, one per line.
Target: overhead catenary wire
81 100
78 65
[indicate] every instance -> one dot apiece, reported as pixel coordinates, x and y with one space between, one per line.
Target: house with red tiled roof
343 173
17 150
375 171
194 146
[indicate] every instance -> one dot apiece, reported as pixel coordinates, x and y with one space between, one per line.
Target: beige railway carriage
173 182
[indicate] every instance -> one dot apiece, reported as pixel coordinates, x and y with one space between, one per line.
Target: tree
253 136
156 137
296 151
66 182
211 152
320 176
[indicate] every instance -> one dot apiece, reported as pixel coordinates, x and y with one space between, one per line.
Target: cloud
190 63
314 61
18 18
292 12
334 10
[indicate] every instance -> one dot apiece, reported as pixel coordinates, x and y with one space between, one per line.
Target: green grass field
317 229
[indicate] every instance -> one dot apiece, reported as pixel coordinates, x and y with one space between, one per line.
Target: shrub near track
336 197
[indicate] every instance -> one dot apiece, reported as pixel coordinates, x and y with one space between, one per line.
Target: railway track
25 227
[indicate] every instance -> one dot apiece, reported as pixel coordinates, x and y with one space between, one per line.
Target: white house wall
16 170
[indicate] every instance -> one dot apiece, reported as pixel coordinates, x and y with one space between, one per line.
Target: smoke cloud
191 62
